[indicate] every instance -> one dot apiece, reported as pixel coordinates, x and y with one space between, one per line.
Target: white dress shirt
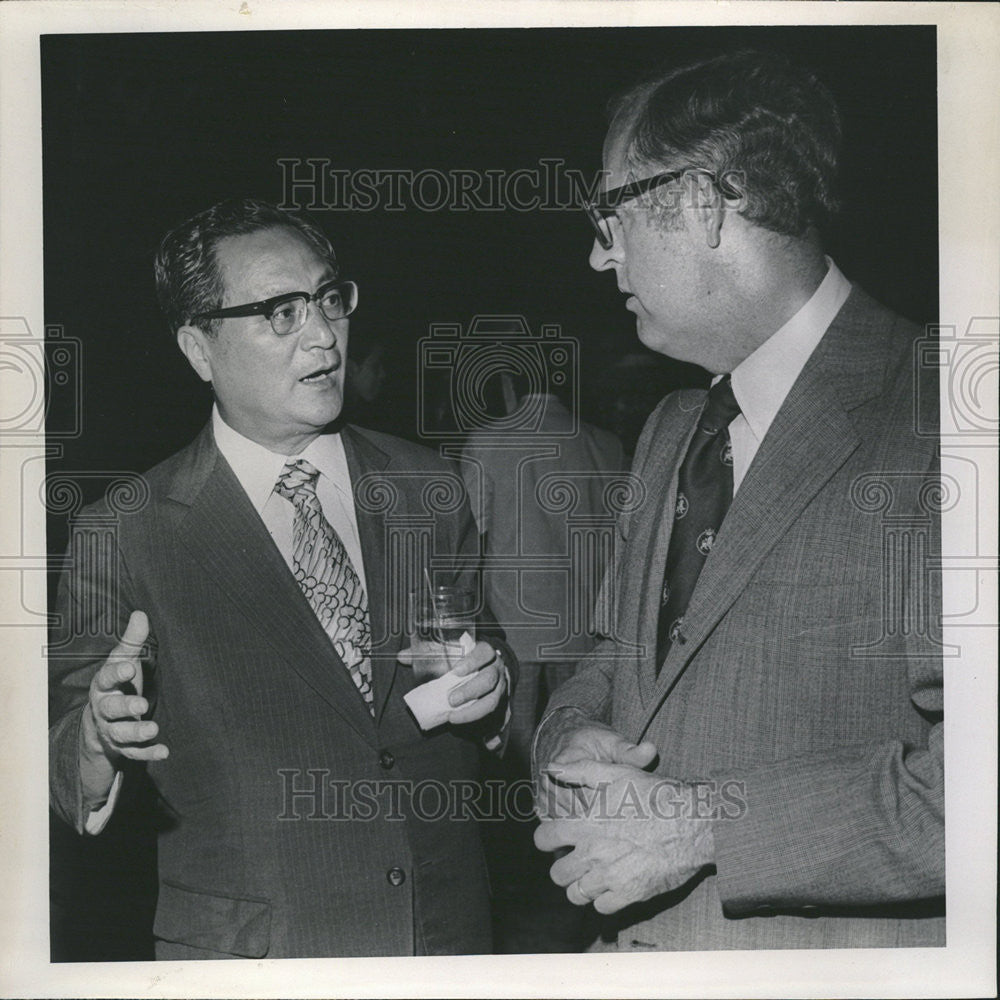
257 470
762 380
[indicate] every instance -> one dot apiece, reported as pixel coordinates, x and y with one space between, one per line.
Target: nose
320 332
602 258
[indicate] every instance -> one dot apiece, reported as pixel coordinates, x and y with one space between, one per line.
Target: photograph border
969 228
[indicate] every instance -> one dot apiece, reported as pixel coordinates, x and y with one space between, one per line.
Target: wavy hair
188 281
771 129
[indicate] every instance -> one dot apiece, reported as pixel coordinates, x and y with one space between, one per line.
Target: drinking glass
441 625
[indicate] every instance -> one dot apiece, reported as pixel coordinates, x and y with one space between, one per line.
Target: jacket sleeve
93 605
847 830
862 827
495 729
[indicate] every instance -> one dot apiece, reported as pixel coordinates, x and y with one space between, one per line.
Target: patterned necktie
704 493
324 571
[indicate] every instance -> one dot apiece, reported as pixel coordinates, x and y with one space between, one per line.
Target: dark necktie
704 493
324 571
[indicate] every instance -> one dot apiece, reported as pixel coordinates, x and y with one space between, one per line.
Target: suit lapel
227 537
362 458
809 440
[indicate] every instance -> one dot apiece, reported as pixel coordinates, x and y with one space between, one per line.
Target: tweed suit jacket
807 686
278 832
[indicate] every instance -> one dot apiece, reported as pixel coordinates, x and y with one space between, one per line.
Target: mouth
321 376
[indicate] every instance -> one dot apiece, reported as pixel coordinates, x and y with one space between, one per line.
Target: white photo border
968 37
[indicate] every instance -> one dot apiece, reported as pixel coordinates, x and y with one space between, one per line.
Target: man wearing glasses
756 762
257 678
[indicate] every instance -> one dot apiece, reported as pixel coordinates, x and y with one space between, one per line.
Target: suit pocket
206 920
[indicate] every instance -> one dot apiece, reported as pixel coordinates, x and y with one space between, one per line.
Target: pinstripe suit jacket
255 705
808 684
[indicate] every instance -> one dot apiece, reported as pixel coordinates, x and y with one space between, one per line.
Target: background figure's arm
494 729
479 487
576 721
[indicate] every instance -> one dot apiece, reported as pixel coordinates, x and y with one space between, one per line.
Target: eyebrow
328 276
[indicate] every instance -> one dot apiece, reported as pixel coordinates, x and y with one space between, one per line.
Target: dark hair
769 128
187 272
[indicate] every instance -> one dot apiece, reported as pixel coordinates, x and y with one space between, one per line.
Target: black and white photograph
502 503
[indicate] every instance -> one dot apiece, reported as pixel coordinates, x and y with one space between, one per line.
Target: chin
670 345
320 416
652 338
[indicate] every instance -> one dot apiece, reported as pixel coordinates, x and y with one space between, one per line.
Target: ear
194 345
710 208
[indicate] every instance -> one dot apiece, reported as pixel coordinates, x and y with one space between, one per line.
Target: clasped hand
631 835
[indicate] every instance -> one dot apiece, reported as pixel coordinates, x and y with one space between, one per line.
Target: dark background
140 131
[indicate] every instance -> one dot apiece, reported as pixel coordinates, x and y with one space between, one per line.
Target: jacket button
386 760
396 876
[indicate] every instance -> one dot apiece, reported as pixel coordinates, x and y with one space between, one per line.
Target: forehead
614 153
268 262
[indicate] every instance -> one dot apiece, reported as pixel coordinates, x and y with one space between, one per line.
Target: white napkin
429 702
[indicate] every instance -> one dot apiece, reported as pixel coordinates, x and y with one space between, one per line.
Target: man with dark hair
756 760
257 678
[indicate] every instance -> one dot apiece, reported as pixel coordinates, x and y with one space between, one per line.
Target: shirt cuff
97 819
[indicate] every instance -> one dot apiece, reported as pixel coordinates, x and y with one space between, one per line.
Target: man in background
546 607
364 381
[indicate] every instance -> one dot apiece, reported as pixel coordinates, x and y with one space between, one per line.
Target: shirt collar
257 468
328 455
762 380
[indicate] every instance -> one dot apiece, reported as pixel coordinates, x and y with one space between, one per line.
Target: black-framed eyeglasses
607 204
602 209
287 313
